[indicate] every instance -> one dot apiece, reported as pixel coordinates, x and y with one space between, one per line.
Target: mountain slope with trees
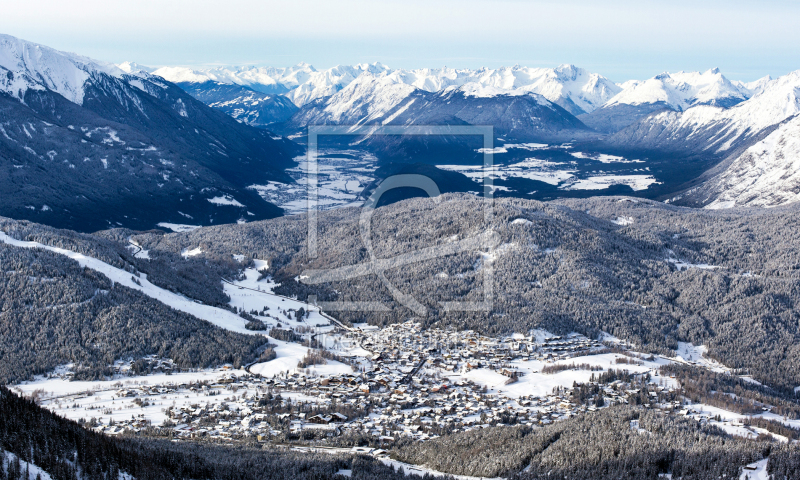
87 146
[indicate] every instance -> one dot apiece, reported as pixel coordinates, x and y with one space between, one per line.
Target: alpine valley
607 286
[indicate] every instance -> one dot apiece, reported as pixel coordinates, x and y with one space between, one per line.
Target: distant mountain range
684 114
85 145
517 116
575 89
89 145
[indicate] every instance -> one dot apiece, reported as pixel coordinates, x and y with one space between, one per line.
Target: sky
619 39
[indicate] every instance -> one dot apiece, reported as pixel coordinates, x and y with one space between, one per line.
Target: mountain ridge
87 146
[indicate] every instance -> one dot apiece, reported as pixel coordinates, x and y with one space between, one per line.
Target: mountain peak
37 67
567 70
130 67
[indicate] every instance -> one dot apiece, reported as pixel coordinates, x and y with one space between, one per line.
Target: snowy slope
217 316
242 103
246 294
568 85
666 92
766 175
34 471
238 76
29 66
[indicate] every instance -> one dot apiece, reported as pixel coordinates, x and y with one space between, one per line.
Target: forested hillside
54 312
616 443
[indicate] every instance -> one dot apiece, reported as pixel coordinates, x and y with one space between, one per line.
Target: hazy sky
619 39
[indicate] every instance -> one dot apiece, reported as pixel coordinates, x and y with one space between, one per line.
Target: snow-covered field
101 399
530 168
178 227
341 176
535 383
601 182
604 158
570 175
756 471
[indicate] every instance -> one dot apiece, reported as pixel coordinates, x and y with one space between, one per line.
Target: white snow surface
759 471
305 83
37 67
535 383
366 98
754 87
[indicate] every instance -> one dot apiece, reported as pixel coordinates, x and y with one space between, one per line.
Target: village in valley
409 382
327 380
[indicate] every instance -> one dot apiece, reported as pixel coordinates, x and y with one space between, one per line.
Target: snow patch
225 200
623 220
186 253
177 227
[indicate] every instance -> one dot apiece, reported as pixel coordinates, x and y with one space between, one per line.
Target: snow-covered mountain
596 100
259 79
323 84
575 89
667 91
133 67
682 90
767 174
715 130
27 66
517 115
240 102
368 98
85 145
388 99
